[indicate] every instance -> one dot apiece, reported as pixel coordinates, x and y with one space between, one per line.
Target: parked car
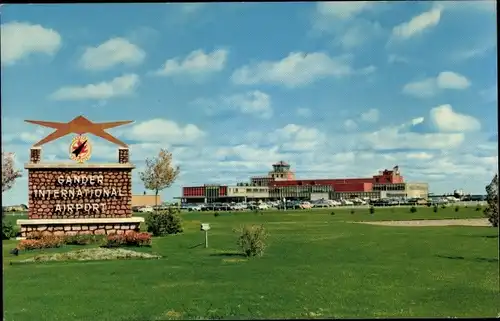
146 209
305 205
334 203
194 208
263 206
346 202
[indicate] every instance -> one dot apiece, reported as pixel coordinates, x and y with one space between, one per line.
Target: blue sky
340 89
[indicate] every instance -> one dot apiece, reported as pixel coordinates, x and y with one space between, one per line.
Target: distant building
145 200
15 208
281 183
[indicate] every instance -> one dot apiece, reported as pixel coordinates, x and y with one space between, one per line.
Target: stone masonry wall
79 229
84 201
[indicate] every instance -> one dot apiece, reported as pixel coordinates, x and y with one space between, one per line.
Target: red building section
193 191
202 191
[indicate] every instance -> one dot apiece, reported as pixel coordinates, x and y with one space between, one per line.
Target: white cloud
297 69
431 86
452 80
197 62
303 112
358 33
490 94
370 116
417 121
342 9
423 88
343 20
417 24
419 155
110 53
296 138
21 39
189 8
476 51
390 138
478 5
119 86
446 120
254 103
393 58
164 131
350 124
368 70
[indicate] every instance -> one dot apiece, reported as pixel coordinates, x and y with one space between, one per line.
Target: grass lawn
317 265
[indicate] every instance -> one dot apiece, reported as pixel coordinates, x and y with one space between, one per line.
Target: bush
372 209
443 206
128 239
216 214
252 240
352 211
478 209
457 208
413 209
83 239
43 242
8 230
35 235
332 213
164 222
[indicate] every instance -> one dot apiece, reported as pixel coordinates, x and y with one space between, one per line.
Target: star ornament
80 125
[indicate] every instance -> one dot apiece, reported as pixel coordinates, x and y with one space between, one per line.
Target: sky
337 89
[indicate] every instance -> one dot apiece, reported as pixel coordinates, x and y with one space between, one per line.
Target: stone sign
79 198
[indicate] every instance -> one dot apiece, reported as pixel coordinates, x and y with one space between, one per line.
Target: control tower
281 172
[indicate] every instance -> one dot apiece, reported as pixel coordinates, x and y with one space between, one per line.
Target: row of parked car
269 205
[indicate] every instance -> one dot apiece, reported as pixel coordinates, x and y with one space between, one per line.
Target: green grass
317 265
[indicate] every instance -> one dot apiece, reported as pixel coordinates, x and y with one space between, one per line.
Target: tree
9 173
159 173
491 211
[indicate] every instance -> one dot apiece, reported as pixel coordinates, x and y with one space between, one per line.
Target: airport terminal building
281 183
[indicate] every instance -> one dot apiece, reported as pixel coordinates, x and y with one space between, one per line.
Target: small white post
205 227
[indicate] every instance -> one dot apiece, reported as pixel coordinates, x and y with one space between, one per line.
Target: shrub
138 239
443 206
352 211
8 230
372 209
216 214
457 208
44 242
413 209
128 239
83 239
35 235
164 222
435 209
252 240
478 209
429 204
332 213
